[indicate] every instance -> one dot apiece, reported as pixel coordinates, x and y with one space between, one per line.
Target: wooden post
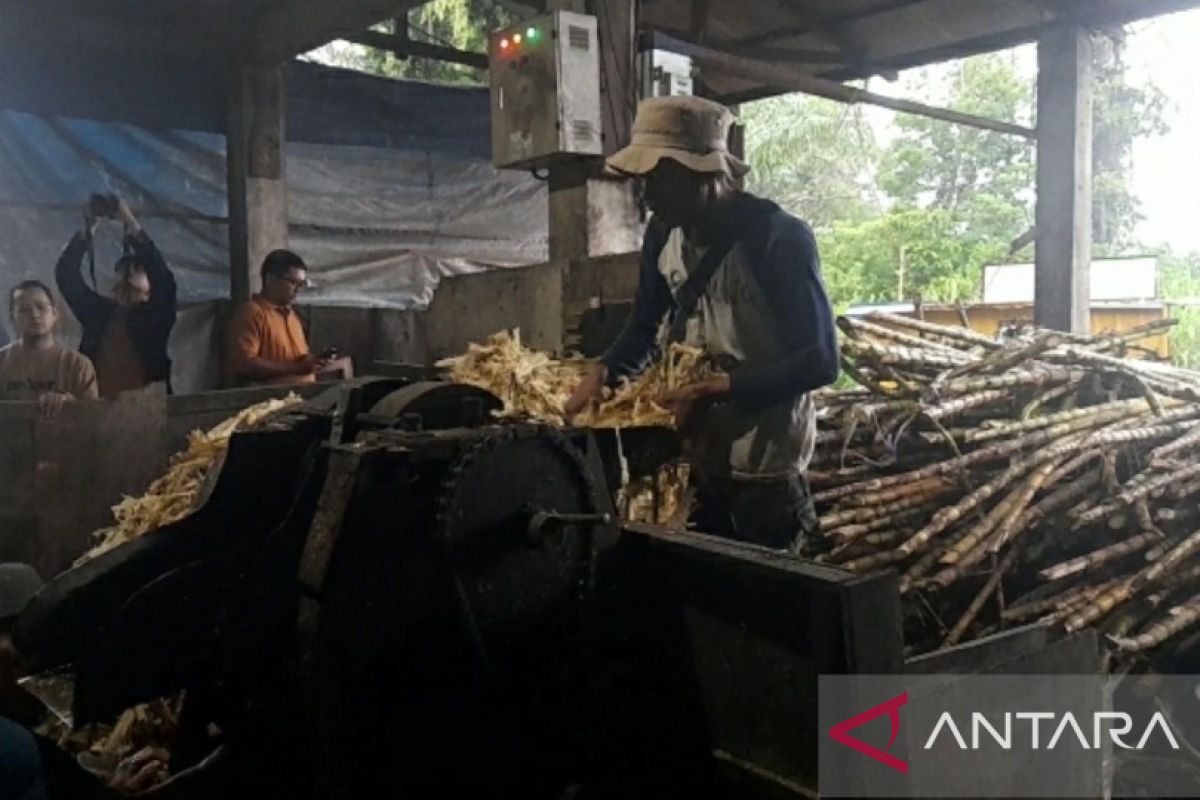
1064 180
255 171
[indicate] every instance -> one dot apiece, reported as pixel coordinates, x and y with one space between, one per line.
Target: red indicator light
504 44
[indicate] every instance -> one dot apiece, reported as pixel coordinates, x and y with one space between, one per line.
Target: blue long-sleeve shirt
764 314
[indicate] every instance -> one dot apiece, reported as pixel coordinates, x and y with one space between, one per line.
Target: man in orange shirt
267 344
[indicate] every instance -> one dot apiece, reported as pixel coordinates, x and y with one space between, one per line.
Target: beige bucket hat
690 130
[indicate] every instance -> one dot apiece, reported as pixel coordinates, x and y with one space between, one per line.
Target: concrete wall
470 308
60 478
544 301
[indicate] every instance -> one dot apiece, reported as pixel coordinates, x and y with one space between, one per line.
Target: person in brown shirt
267 344
126 336
36 367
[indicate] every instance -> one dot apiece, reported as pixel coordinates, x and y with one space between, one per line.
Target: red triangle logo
840 733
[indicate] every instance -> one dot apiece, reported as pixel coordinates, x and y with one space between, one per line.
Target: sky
1166 169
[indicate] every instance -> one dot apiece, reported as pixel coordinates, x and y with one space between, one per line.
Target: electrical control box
665 74
545 75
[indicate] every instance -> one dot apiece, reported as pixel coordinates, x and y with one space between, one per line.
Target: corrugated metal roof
858 38
836 39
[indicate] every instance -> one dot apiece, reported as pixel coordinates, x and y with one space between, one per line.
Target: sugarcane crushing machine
386 591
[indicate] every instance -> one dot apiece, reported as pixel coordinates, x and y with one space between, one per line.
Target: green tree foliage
933 164
813 156
923 215
904 254
1179 279
1123 112
461 24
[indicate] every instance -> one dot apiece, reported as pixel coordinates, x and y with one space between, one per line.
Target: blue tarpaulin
389 189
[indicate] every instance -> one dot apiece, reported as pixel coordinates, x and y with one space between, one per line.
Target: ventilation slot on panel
582 132
579 38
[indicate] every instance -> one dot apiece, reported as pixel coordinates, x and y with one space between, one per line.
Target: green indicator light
531 34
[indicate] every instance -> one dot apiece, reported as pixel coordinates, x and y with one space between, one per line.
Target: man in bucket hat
740 278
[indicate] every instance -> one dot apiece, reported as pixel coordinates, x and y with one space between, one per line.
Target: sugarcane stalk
899 356
1129 588
1131 495
1163 548
958 405
1098 558
828 480
1183 490
1030 377
929 486
1048 396
1002 525
860 377
1158 382
875 562
949 516
970 544
857 327
964 336
1145 331
1007 358
1064 599
914 577
867 530
1167 516
1181 579
861 546
1100 415
1060 498
1185 549
989 587
1107 437
1156 405
1100 607
859 516
1011 524
1177 620
1186 442
872 411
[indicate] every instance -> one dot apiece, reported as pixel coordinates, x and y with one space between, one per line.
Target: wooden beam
289 29
255 174
1063 253
1095 14
699 20
616 23
820 24
788 55
403 46
790 79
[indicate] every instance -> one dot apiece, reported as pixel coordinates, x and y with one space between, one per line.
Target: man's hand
684 400
308 365
587 392
51 403
90 220
141 771
125 215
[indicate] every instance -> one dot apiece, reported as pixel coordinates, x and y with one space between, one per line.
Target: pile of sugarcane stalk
1043 477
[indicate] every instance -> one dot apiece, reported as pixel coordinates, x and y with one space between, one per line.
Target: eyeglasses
299 284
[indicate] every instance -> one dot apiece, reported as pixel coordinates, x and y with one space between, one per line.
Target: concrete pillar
589 216
1064 180
257 191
